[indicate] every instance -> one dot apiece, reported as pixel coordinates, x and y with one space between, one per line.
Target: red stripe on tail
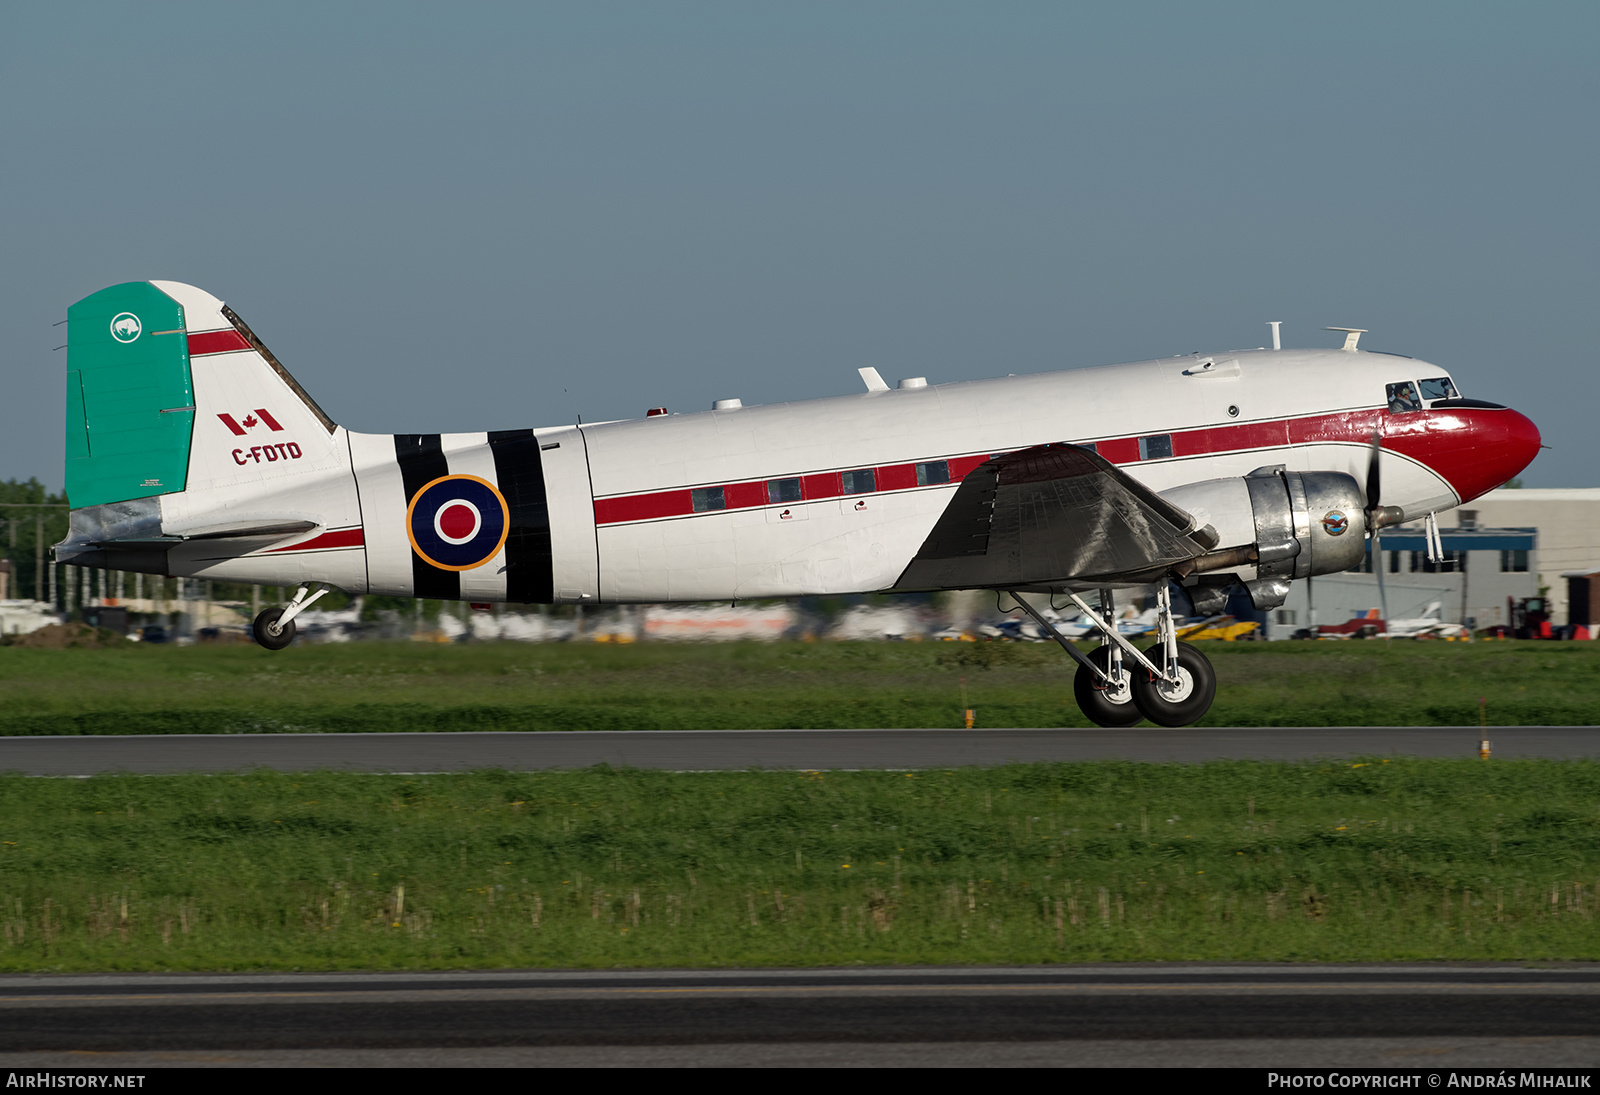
216 342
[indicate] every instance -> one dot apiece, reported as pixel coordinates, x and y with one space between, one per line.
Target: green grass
1409 859
586 686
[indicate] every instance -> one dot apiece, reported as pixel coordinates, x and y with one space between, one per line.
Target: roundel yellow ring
477 542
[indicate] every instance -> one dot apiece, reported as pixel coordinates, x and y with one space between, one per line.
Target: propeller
1379 516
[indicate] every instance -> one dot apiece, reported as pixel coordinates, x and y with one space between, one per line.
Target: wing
1052 517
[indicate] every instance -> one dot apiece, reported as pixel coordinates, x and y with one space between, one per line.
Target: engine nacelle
1286 524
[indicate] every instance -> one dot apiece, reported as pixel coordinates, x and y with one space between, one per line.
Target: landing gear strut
274 627
1171 683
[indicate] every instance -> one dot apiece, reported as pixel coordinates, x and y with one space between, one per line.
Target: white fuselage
633 505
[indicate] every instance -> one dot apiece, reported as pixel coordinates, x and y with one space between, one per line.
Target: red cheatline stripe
347 537
216 342
677 503
1412 434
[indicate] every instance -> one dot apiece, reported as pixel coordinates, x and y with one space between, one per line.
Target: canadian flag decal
251 421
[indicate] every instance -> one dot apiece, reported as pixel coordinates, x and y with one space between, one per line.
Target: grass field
587 686
1408 859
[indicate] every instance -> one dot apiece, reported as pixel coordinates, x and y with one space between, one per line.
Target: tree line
28 532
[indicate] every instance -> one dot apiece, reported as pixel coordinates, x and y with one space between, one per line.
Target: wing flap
1052 515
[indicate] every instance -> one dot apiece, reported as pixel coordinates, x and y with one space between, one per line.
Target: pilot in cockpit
1403 397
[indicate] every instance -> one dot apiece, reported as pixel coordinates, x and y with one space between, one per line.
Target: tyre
1182 703
1100 703
263 630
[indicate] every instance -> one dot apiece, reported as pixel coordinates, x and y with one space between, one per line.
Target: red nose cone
1475 449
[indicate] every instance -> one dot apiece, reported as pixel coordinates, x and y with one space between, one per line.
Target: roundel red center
458 522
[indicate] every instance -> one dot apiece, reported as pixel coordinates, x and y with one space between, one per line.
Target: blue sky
484 216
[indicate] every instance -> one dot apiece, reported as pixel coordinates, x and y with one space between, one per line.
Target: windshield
1439 388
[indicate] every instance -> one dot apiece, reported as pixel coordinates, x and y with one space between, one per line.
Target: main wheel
1181 703
266 624
1101 703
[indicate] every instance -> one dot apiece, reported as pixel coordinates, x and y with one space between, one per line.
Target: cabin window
1158 447
859 482
783 490
1513 562
1439 388
707 499
935 471
1403 397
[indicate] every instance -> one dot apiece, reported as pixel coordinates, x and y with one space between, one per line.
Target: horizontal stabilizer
254 530
1052 517
241 532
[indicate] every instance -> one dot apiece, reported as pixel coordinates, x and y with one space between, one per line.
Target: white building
1481 569
1509 543
1568 521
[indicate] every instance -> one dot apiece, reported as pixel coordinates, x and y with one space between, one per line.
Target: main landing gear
1171 683
274 627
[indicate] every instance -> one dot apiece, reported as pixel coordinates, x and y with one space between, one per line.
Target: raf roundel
457 522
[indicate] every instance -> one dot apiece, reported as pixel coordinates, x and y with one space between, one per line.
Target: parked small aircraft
1367 624
1370 624
1075 626
191 451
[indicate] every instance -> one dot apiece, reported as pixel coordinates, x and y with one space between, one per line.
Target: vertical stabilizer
130 398
192 451
254 425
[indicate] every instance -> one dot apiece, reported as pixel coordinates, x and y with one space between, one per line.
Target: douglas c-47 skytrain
192 452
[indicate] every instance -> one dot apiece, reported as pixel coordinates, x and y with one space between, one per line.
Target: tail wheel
1101 703
269 634
1179 703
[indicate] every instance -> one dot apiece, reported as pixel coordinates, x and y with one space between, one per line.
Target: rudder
130 396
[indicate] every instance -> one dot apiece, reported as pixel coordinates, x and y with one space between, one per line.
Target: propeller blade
1379 565
1378 514
1374 461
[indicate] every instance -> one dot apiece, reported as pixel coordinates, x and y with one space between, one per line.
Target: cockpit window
1403 397
1439 388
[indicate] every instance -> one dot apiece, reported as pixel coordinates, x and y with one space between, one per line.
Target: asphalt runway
1427 1017
708 750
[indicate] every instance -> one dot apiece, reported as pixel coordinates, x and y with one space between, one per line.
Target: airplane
1370 623
192 451
1361 624
1076 626
1429 625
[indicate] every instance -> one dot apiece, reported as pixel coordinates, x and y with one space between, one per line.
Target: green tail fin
130 400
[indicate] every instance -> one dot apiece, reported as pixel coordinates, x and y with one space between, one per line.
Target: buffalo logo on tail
125 327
